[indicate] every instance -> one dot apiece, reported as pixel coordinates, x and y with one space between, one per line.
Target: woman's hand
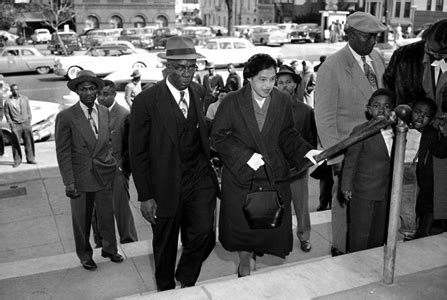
255 161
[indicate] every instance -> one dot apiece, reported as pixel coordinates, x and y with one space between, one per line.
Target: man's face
136 79
305 66
87 92
263 82
14 90
181 72
361 42
106 96
231 68
286 84
421 116
211 71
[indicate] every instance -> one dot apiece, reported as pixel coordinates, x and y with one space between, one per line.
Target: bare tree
57 13
230 15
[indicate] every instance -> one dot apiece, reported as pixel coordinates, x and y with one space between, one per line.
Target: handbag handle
272 185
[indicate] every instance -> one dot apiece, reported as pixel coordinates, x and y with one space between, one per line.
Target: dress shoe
305 245
33 162
322 208
16 164
117 258
89 264
336 252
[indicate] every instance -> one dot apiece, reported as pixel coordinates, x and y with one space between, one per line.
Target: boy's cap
365 22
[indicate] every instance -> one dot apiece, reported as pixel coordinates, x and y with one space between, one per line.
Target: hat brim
72 84
295 76
178 57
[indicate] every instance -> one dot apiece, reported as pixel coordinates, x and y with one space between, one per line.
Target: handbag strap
272 184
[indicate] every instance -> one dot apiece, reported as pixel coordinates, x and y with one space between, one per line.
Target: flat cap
365 22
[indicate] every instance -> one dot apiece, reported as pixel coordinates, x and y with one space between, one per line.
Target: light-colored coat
341 95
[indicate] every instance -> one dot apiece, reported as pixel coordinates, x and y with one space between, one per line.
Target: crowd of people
262 127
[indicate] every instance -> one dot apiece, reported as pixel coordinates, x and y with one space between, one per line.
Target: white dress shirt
176 93
359 60
94 116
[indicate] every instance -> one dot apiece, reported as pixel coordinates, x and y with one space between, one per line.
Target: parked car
199 34
6 38
216 28
96 37
289 28
268 35
70 41
161 35
103 60
125 44
139 37
222 51
25 59
121 78
42 122
41 35
307 32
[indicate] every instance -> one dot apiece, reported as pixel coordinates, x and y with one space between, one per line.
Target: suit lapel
246 106
84 126
357 76
166 113
103 127
194 96
379 69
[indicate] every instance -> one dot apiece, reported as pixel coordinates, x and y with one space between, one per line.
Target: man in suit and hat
133 88
170 163
84 156
213 83
304 120
345 82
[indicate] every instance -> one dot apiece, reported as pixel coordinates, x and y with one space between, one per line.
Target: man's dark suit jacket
367 168
84 160
154 146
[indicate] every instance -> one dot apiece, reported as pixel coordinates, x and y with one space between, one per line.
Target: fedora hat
135 73
179 47
286 70
84 76
209 65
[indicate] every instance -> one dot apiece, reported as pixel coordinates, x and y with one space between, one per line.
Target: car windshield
211 45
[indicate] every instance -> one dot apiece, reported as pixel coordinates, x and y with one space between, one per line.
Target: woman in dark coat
254 133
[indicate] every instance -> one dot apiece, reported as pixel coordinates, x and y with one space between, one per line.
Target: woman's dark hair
257 63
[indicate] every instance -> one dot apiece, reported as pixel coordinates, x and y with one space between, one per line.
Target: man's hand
347 195
310 156
255 161
71 191
336 169
148 209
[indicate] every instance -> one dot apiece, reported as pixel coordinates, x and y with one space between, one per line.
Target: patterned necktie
92 122
183 104
369 74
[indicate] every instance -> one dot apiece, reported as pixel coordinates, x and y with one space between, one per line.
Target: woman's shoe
238 273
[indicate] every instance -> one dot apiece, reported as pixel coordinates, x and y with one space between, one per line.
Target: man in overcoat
84 156
170 163
345 83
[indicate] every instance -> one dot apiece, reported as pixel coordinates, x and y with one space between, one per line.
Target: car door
13 62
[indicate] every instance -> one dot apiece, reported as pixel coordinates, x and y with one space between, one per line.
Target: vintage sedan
307 32
222 51
15 59
103 60
121 78
269 35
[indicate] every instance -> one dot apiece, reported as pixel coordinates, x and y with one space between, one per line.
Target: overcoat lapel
194 96
166 113
83 124
103 128
272 112
379 141
246 106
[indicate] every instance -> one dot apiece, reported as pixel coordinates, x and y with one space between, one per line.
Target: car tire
72 72
139 65
43 70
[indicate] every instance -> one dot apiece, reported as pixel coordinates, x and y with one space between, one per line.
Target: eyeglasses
182 68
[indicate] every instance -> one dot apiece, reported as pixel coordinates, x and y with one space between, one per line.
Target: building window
429 5
407 9
138 21
373 8
439 5
116 22
161 21
92 22
397 11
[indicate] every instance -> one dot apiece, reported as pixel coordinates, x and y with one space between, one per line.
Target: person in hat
419 70
304 121
133 88
345 83
170 163
305 89
213 83
84 156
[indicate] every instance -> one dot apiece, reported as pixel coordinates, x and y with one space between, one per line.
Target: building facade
123 13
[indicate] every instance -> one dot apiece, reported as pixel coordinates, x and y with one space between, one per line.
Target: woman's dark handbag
263 208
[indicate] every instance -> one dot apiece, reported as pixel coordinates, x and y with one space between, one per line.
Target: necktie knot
89 110
183 105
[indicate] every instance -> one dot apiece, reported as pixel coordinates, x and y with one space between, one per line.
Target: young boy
365 180
432 144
